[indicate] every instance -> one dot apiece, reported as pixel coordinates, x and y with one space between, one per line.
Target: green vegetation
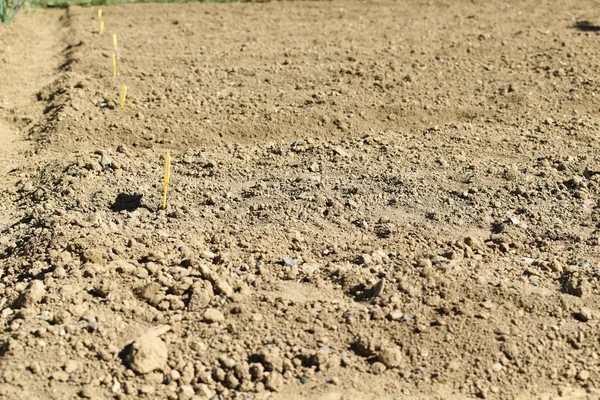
66 3
8 10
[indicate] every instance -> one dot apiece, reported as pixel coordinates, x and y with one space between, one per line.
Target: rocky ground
368 200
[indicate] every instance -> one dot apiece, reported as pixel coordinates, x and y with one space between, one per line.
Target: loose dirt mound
368 200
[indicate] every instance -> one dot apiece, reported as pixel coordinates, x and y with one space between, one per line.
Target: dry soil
368 200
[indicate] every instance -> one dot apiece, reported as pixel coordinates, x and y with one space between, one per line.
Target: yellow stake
123 95
114 60
115 41
167 177
102 27
99 13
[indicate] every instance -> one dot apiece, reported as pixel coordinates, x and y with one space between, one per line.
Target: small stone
390 356
424 262
116 387
147 353
377 290
271 358
186 392
585 314
60 376
223 287
378 368
174 375
208 255
346 361
341 152
257 317
198 346
577 287
92 166
201 296
149 291
147 389
497 367
289 262
364 259
501 330
212 316
204 390
154 378
583 375
274 382
71 366
122 149
231 381
34 293
105 162
87 392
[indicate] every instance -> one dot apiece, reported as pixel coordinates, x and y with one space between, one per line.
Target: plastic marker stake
114 60
123 95
115 41
102 27
167 177
99 13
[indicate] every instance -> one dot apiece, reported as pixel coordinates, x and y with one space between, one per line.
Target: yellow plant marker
115 41
99 13
167 177
102 27
123 95
114 60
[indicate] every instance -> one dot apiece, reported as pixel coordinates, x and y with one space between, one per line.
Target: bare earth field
369 200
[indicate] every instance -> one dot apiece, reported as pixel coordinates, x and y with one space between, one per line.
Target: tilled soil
368 200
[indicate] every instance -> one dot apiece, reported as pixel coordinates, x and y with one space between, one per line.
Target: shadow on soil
127 202
586 26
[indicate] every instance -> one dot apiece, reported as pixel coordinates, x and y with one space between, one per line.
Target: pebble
583 375
186 392
274 382
585 314
364 259
202 294
87 392
346 361
223 287
390 356
71 366
34 293
377 290
501 330
271 358
147 389
105 161
497 367
60 376
147 353
289 262
378 368
341 152
212 316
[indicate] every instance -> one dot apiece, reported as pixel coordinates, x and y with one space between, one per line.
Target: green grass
66 3
8 10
